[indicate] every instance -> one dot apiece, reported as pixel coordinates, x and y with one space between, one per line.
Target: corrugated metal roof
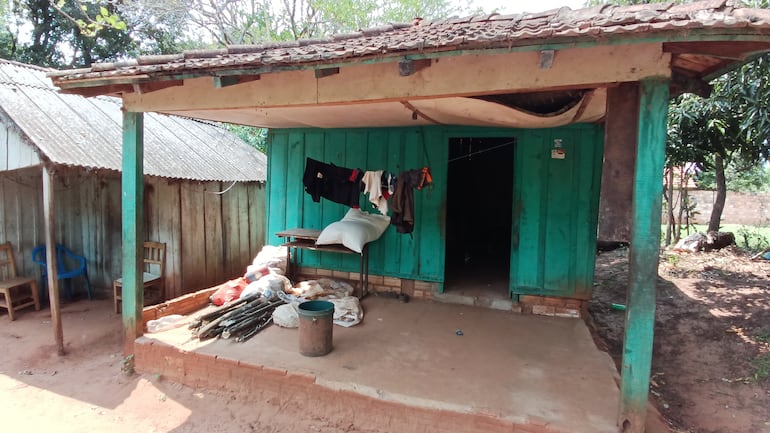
600 23
87 132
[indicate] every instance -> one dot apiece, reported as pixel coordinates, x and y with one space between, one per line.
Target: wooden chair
12 286
153 271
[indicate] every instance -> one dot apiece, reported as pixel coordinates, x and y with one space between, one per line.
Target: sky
513 6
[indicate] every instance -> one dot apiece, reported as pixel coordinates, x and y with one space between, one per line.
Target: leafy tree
88 18
76 33
728 129
230 22
7 36
751 179
56 40
316 18
256 137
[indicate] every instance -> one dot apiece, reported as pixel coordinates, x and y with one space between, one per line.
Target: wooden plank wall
554 208
209 237
15 153
392 149
555 212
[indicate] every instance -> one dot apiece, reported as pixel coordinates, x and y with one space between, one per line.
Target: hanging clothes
372 182
402 202
338 184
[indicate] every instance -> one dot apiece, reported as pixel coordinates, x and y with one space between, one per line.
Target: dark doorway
478 218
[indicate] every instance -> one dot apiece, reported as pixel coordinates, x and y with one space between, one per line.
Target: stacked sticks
239 320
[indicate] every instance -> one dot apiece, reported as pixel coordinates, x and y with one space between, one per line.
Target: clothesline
344 185
482 151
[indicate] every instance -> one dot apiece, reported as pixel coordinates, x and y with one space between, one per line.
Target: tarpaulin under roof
83 132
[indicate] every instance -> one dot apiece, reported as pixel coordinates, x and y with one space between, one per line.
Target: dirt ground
712 337
87 391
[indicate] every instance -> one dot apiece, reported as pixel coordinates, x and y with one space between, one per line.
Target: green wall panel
555 202
554 240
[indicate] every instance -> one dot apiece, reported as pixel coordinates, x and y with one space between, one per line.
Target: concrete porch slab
507 371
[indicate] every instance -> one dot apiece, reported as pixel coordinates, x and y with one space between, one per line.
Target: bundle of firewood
238 320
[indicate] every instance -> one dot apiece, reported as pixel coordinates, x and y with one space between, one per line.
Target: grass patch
752 238
761 366
762 335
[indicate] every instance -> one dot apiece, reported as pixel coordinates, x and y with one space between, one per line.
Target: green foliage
754 178
761 366
726 131
256 137
752 238
57 39
75 33
89 16
301 19
762 335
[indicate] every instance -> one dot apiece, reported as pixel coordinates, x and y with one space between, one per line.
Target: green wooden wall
541 187
555 213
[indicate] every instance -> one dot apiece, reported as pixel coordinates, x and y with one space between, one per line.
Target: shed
204 187
578 97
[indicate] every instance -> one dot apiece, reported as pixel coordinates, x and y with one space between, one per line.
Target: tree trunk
670 201
719 200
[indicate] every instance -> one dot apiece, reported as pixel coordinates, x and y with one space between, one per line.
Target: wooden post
644 255
133 231
620 135
50 260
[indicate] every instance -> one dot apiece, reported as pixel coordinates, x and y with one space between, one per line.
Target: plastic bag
322 287
253 289
347 311
229 291
274 282
165 323
286 316
272 257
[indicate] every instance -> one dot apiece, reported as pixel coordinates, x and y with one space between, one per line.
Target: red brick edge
184 305
301 392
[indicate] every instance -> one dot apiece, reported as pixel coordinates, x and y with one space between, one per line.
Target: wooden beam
326 72
133 230
729 50
97 91
681 83
409 67
620 135
449 76
546 59
644 256
221 81
155 86
50 259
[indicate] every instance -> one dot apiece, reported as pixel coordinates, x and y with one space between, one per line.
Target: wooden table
305 239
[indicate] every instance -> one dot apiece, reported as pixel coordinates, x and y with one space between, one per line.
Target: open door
478 216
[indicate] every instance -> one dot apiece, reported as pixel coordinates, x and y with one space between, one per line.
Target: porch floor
519 369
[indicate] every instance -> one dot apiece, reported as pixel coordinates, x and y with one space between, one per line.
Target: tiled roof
87 132
556 26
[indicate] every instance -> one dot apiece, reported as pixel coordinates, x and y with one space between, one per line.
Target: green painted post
133 231
643 259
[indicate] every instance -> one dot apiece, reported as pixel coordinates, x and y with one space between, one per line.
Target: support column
620 135
644 255
50 260
132 194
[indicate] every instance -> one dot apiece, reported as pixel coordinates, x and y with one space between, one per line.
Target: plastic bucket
315 327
